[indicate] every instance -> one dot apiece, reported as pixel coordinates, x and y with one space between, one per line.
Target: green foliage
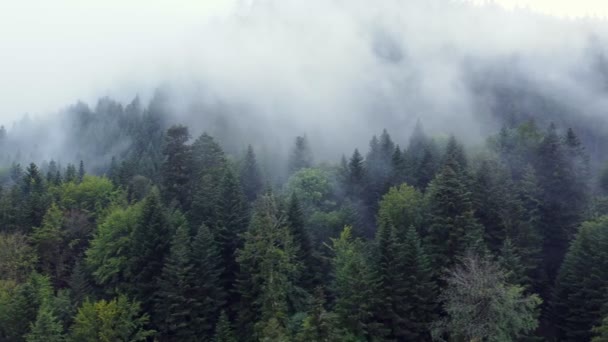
223 330
269 269
453 227
207 267
17 257
580 294
110 321
93 195
149 247
312 186
402 206
46 328
482 306
353 286
110 251
601 332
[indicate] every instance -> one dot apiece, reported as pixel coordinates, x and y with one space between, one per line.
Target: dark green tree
175 299
177 167
149 248
46 328
304 253
580 289
223 330
209 294
251 179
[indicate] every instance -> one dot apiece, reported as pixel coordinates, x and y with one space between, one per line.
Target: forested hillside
170 236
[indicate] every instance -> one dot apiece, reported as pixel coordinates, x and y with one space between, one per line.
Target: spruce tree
268 272
353 286
173 310
177 167
297 226
210 164
209 295
453 227
149 247
232 222
579 294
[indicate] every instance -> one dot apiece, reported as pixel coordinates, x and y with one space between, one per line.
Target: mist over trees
457 192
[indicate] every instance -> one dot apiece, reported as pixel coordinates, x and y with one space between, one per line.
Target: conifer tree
579 294
223 330
304 253
453 228
251 178
269 270
231 224
177 167
149 247
46 328
301 155
70 173
174 300
319 325
79 284
356 184
210 164
81 171
353 286
209 295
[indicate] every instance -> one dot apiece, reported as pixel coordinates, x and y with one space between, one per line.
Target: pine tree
48 240
579 294
174 299
209 295
378 165
177 167
223 330
510 261
251 178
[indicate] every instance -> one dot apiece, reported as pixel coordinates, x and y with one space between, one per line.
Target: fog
337 71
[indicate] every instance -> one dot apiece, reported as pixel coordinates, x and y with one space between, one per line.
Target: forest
176 239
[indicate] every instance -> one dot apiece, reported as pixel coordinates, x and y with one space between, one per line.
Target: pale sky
55 52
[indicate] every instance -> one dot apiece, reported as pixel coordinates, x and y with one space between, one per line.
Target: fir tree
81 171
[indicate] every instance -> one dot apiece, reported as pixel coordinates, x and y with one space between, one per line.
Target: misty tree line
177 240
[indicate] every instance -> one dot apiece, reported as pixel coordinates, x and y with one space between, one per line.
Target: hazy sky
55 52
